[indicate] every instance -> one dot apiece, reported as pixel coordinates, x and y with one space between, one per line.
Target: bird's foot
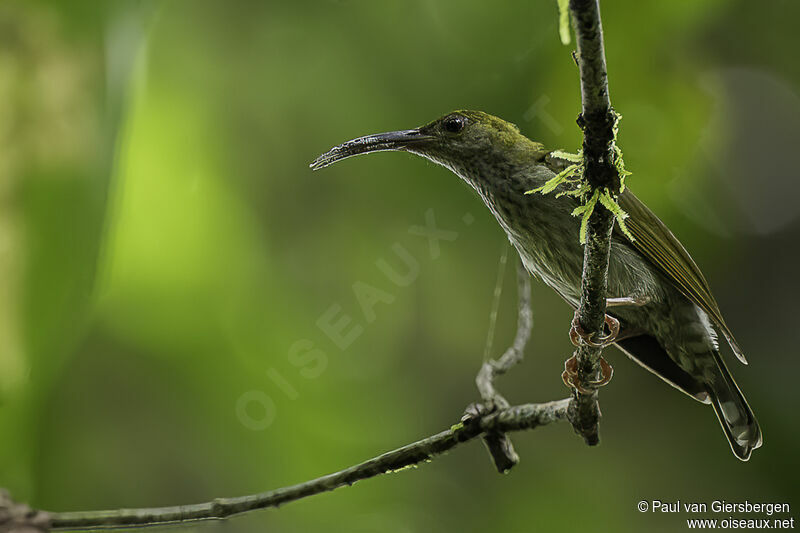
579 337
572 379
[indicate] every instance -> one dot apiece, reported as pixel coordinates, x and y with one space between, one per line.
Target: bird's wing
656 242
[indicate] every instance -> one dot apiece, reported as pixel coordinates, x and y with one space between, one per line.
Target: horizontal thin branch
520 417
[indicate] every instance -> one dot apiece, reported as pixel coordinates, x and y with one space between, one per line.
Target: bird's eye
454 124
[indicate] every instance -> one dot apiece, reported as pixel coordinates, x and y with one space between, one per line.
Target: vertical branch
597 120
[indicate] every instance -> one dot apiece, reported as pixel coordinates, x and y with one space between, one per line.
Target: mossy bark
597 120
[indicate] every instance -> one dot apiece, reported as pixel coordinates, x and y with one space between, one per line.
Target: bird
667 316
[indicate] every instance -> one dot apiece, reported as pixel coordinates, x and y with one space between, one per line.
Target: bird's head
475 145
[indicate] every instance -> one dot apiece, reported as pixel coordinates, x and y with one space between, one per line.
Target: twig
499 445
19 518
498 292
597 120
514 354
515 418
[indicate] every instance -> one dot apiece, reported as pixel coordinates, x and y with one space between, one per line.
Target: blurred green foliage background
166 255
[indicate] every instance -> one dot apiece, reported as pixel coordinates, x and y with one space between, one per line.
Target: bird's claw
572 380
579 337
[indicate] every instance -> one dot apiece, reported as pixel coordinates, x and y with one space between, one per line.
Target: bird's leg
579 337
633 301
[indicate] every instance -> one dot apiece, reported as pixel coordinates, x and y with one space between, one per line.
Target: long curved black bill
393 140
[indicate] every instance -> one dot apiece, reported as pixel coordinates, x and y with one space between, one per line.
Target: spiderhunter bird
660 300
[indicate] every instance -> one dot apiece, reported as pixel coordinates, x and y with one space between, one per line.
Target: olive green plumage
673 334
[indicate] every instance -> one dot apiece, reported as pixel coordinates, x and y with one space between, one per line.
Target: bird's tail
737 420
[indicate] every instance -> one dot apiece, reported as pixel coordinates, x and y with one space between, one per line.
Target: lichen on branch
572 182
